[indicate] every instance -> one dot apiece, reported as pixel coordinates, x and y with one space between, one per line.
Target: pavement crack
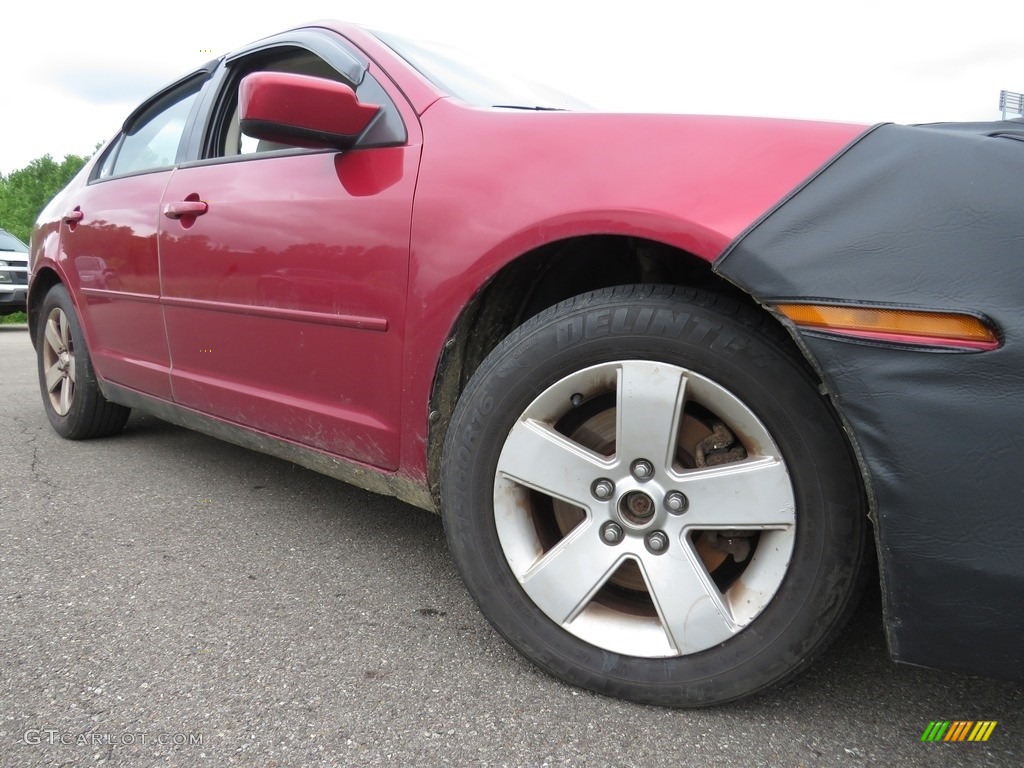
36 467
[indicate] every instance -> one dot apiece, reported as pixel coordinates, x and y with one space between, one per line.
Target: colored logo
958 730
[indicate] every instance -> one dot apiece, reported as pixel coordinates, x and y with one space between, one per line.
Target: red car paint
332 107
312 297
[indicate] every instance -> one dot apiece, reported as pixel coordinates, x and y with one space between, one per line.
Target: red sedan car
659 374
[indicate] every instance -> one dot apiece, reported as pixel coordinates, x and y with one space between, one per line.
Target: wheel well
43 281
540 279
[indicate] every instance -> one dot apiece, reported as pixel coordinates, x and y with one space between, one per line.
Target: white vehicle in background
13 273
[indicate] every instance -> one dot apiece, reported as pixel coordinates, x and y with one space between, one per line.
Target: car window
9 242
478 82
228 139
152 140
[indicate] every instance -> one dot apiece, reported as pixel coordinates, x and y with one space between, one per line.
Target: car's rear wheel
647 494
72 398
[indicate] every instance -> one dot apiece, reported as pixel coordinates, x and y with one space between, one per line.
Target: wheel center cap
636 508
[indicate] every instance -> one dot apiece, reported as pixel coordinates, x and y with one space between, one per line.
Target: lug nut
676 503
611 533
642 469
602 489
657 542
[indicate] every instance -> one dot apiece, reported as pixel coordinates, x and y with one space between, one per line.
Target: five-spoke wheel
58 355
72 398
616 530
648 496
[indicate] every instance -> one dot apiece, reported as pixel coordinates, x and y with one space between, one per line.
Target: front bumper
13 286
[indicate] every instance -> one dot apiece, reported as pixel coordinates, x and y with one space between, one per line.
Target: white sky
74 70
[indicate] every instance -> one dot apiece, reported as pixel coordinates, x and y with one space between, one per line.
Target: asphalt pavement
169 599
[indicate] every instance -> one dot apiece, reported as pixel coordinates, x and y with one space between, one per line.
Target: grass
17 317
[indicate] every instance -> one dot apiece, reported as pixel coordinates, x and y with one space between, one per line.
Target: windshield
477 83
9 242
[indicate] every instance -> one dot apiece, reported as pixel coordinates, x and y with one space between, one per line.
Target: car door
284 296
109 242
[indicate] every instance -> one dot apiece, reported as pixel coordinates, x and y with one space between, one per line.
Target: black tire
72 399
529 559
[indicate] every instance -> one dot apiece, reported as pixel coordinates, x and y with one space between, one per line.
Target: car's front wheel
71 393
648 496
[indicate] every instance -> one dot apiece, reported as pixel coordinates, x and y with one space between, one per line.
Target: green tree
25 192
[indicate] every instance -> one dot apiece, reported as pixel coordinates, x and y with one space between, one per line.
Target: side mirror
302 111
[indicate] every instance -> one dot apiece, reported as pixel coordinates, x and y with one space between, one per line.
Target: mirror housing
302 111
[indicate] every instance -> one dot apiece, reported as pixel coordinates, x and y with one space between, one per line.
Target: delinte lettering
569 332
625 320
701 330
671 324
662 321
621 322
643 320
597 323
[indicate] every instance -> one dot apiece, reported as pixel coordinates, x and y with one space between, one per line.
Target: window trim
347 60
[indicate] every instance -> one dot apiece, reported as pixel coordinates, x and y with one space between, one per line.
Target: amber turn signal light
899 325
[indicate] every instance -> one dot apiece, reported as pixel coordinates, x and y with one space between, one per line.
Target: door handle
185 208
73 217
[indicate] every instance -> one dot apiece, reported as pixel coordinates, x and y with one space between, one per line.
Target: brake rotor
598 434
